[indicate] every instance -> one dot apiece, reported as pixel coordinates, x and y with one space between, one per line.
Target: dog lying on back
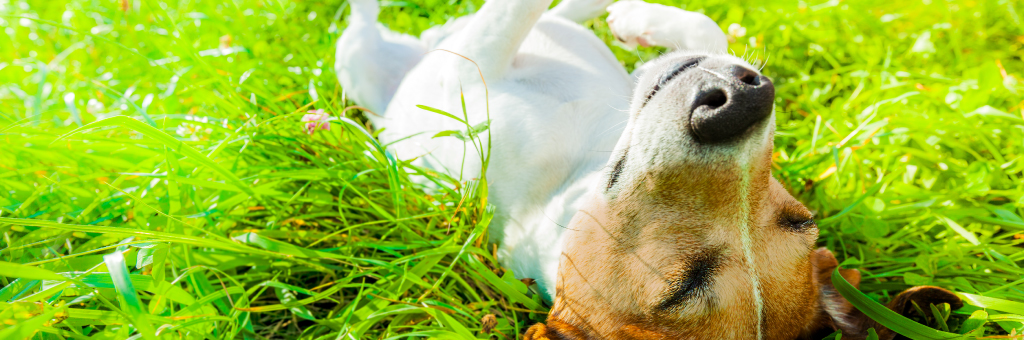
643 205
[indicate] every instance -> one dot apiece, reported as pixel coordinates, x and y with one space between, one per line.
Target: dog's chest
554 118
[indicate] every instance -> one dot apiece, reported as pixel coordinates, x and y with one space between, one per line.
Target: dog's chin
746 148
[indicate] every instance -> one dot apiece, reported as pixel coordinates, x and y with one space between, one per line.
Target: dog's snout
729 100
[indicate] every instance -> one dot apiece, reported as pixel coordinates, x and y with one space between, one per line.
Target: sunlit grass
205 211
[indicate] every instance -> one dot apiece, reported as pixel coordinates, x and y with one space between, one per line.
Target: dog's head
689 235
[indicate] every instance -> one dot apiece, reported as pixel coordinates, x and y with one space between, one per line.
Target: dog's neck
533 248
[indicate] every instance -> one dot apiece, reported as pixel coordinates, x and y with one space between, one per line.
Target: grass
203 210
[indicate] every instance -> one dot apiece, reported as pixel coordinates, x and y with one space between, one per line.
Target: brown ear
837 313
833 311
923 296
554 330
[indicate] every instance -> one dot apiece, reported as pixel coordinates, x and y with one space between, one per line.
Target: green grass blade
213 242
16 270
127 294
993 303
443 113
169 141
27 328
876 311
974 323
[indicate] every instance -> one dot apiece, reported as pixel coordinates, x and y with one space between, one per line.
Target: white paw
639 23
630 22
581 10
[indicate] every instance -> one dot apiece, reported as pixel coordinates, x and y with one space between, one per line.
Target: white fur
639 23
558 101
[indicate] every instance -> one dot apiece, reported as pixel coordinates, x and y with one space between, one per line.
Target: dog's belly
555 117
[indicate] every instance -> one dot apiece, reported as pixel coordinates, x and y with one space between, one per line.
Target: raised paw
630 22
639 23
581 10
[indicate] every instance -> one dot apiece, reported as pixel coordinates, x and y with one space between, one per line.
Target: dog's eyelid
696 280
798 223
665 78
617 171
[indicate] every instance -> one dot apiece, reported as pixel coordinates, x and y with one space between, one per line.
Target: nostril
713 99
751 79
745 75
728 102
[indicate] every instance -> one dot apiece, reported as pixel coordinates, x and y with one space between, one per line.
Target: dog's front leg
494 35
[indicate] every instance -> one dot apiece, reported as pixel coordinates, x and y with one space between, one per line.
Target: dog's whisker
767 57
613 127
556 222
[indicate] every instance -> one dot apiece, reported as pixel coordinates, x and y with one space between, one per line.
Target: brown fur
613 251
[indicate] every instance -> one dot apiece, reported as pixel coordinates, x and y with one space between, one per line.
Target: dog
642 204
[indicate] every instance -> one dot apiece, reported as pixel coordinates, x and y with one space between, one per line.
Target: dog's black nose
728 100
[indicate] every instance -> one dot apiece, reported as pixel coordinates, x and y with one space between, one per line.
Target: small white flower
737 31
94 106
187 130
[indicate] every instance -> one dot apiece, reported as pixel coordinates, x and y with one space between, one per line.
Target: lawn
156 181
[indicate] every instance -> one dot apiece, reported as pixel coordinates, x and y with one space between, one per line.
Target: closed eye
676 70
617 170
797 222
696 280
